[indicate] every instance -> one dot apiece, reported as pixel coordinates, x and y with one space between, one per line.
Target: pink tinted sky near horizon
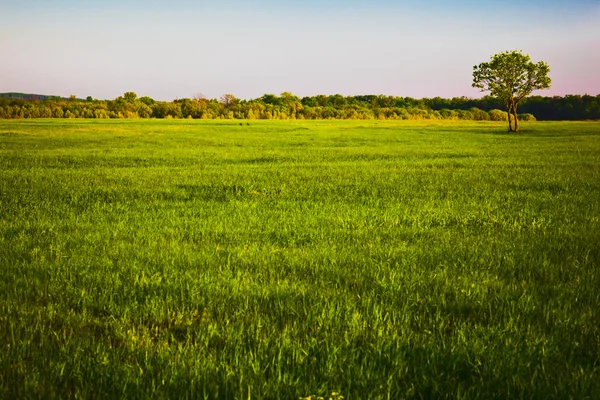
176 49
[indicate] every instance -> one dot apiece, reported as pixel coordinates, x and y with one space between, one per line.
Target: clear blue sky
178 48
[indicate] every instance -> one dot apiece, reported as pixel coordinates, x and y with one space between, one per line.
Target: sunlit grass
291 259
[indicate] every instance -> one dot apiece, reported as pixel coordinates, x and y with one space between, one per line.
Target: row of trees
289 106
556 108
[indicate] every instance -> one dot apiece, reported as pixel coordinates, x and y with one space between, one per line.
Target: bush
527 117
498 115
479 115
448 114
465 114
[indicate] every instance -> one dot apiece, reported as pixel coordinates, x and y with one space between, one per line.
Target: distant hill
28 96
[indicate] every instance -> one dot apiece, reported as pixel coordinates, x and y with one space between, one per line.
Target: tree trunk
509 118
516 119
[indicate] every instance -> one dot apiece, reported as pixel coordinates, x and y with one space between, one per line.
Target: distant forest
289 106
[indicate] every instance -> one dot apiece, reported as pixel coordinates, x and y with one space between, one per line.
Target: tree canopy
511 76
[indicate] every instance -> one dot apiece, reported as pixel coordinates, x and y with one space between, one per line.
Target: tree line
289 106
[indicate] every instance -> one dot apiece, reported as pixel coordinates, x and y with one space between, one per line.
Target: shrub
498 115
527 117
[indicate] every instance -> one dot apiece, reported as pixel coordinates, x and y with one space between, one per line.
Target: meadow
283 259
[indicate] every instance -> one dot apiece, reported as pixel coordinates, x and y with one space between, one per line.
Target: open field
172 259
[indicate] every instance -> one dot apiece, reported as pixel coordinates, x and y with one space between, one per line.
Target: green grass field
385 260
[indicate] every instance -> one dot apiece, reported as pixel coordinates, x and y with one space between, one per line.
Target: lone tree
511 76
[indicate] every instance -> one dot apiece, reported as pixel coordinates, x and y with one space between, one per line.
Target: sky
181 48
